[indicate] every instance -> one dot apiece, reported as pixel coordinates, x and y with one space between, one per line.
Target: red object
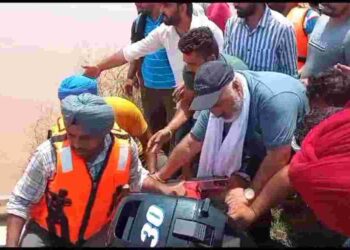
320 172
202 188
347 105
192 190
219 13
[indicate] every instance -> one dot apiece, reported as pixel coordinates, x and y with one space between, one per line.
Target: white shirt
197 9
167 37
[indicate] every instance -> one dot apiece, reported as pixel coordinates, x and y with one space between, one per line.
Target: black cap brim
204 102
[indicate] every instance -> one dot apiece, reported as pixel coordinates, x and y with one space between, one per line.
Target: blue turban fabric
75 85
89 111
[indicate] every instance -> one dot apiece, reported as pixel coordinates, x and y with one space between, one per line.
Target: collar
158 20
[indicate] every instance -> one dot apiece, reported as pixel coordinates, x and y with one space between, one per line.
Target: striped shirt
156 69
42 168
271 46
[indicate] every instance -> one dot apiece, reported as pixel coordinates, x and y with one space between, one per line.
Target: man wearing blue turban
127 115
77 84
73 181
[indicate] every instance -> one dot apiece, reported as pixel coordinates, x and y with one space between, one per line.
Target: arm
151 158
276 189
278 120
181 155
130 53
14 228
29 189
181 116
134 65
132 70
184 152
288 53
273 162
140 180
131 77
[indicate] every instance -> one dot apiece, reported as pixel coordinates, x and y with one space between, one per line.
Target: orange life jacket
84 206
297 17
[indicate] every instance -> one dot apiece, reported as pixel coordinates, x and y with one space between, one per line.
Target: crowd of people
255 92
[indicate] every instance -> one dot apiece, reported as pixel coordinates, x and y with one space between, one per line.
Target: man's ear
237 87
182 8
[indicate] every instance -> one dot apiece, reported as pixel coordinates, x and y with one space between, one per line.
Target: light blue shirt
156 70
278 103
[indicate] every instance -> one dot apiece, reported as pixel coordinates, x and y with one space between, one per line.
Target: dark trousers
159 108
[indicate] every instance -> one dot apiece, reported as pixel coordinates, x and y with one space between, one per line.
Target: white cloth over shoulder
223 158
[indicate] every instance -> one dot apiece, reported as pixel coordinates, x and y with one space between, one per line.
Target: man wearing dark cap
197 46
71 186
277 103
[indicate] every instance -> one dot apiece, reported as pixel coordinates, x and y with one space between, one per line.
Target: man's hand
343 68
154 184
128 87
242 215
238 208
156 142
235 196
177 189
179 92
92 71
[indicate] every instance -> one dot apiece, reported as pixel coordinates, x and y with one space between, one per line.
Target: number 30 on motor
150 230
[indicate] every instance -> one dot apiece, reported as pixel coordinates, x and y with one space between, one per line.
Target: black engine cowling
152 220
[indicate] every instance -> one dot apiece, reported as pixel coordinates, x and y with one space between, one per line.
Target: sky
40 45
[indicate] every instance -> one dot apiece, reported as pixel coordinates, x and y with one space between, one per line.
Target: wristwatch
249 194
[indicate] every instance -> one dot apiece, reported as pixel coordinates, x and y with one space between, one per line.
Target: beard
172 20
243 13
237 108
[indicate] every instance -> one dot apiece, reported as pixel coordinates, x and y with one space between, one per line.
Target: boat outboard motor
154 220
